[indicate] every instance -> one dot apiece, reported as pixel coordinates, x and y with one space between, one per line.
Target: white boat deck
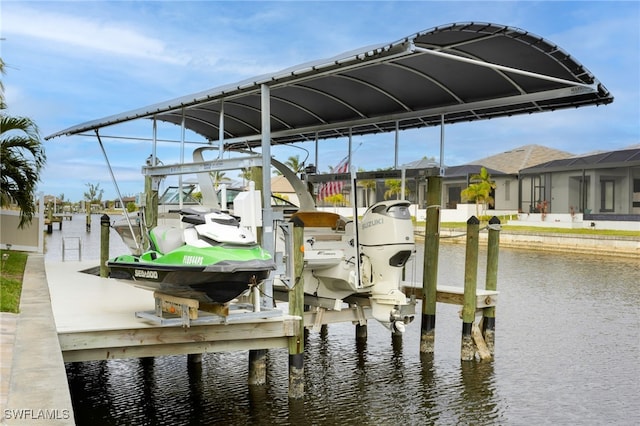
95 319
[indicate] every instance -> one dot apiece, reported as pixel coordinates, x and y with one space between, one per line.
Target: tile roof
514 160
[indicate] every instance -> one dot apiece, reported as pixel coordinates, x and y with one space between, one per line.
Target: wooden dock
96 319
454 295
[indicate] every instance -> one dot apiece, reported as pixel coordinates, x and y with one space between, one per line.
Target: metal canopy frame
458 72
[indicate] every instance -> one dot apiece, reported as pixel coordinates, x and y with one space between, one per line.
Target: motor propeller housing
387 242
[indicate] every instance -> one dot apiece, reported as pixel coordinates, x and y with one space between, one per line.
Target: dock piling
470 286
296 307
430 271
104 245
361 332
489 314
257 367
194 358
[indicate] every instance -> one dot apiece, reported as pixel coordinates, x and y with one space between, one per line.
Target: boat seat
318 219
165 238
191 238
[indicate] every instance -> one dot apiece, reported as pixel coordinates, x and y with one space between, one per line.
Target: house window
636 194
454 196
607 197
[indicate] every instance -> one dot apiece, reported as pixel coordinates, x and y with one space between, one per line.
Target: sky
71 62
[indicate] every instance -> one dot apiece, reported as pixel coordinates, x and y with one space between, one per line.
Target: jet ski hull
213 279
209 287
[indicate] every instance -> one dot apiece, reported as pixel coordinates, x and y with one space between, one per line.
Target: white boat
347 260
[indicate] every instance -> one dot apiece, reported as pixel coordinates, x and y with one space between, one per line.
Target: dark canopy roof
629 157
460 72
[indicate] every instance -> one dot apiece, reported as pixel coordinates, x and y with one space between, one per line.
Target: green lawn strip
11 280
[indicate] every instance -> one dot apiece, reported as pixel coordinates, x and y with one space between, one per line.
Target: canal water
567 351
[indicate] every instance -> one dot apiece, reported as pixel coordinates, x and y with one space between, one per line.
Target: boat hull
208 284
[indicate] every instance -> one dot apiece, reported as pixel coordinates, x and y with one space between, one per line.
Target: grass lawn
11 280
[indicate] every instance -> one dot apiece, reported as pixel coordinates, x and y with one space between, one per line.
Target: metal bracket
203 166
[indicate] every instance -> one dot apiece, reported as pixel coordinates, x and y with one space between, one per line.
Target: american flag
334 187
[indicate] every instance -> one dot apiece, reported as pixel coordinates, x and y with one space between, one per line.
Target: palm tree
23 158
395 188
245 174
367 185
294 164
480 190
94 194
335 199
62 203
219 178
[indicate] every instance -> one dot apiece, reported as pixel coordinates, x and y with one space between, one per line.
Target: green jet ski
211 258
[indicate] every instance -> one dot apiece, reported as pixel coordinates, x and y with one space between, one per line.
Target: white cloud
77 61
71 32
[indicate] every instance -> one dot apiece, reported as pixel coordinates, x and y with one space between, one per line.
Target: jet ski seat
165 238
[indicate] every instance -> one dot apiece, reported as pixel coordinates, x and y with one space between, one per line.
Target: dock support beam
296 307
489 314
468 351
104 245
430 271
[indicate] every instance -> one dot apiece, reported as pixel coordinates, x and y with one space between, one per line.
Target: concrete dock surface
59 300
33 373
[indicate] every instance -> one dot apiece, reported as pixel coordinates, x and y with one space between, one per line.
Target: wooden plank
173 349
175 305
455 295
149 336
483 350
216 308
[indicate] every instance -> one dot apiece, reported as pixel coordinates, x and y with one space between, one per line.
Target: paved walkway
37 390
8 323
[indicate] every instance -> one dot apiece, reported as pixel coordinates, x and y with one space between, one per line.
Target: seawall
546 241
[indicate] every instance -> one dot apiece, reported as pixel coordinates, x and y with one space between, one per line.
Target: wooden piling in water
194 358
430 270
489 314
257 367
257 357
361 332
104 245
470 285
296 307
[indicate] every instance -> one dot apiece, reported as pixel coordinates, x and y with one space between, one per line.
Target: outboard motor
387 242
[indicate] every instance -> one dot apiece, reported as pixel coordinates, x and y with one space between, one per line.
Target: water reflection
566 353
477 393
147 378
196 391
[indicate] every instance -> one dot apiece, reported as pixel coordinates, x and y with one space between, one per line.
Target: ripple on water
566 353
